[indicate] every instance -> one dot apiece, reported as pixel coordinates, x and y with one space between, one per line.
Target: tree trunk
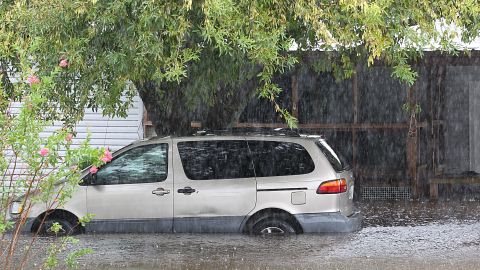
229 105
5 80
167 107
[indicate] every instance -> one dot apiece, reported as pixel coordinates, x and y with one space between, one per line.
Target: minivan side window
208 160
142 164
272 158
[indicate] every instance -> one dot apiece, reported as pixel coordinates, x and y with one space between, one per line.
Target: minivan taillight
333 186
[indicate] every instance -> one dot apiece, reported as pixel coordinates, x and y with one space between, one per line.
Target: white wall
112 132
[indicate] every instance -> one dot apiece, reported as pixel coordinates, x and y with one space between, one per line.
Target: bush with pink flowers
33 167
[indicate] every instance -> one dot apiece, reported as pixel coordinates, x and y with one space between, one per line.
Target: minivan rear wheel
273 226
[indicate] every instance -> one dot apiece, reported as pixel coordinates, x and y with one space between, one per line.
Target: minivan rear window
273 158
336 160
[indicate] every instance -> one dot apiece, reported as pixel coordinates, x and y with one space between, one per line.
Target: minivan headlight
17 208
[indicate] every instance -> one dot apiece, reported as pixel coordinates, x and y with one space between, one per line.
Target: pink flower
107 156
93 169
63 63
44 152
69 137
32 79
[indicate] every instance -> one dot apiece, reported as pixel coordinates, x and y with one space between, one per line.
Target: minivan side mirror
92 179
89 180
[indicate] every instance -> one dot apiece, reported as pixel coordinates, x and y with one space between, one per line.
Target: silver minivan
249 183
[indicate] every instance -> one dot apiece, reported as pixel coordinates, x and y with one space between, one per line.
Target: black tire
67 227
273 226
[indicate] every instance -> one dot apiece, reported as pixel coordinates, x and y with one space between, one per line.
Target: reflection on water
395 236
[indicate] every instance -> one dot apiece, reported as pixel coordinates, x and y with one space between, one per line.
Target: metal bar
432 68
355 116
294 96
344 126
455 180
412 147
355 96
261 125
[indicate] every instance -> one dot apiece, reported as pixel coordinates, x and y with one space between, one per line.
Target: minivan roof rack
250 131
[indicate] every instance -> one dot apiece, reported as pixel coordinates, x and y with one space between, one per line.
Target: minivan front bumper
330 222
26 226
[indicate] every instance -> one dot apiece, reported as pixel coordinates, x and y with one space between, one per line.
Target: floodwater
396 235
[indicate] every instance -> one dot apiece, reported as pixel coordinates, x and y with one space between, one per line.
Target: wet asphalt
395 235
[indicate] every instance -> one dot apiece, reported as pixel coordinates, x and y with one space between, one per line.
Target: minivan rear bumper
330 222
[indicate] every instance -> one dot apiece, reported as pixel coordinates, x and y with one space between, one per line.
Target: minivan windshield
336 160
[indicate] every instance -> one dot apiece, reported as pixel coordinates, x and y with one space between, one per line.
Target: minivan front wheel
273 226
66 227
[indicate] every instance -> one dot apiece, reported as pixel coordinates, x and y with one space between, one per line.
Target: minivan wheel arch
59 214
271 213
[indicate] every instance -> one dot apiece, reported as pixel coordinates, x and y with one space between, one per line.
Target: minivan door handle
160 191
186 190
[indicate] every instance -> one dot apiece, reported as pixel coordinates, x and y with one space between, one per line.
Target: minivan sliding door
215 185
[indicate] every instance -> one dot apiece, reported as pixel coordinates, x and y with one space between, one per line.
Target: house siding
112 132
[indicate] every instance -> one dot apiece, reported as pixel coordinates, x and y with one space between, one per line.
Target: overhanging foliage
210 48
